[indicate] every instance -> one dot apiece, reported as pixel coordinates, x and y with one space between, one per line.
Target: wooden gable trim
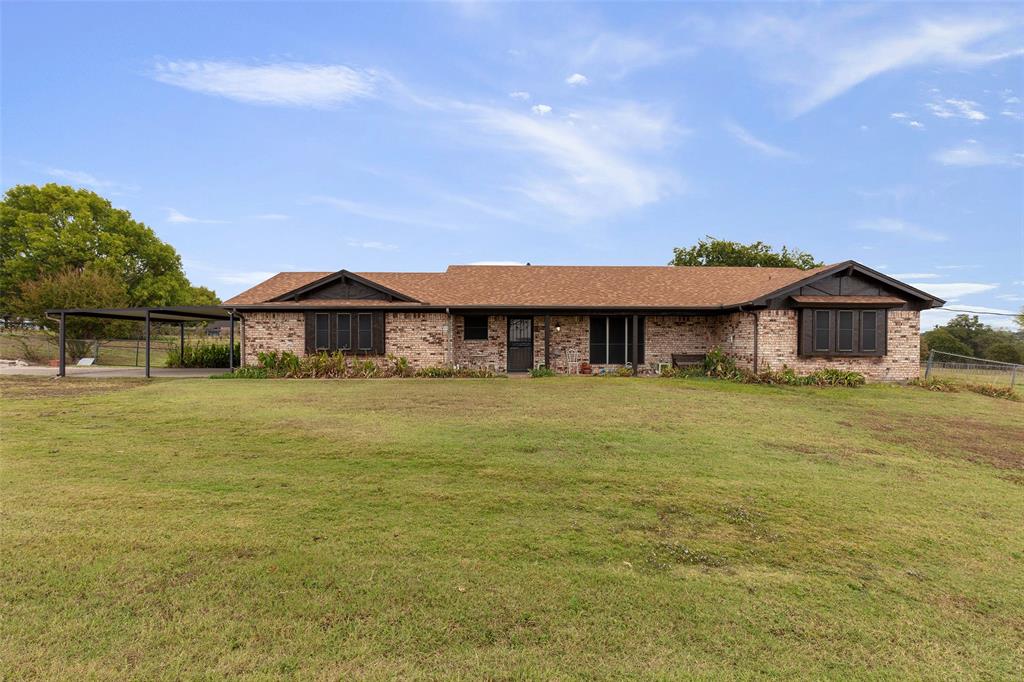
294 294
849 267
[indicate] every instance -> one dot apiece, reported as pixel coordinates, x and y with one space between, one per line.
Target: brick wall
479 354
263 332
676 334
777 346
573 331
424 339
421 338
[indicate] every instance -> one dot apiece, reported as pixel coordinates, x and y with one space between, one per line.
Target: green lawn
553 528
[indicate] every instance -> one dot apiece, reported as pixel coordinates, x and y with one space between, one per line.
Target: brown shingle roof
562 285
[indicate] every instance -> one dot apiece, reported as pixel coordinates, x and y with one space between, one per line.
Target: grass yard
569 527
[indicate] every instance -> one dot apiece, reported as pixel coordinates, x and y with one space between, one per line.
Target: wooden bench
687 359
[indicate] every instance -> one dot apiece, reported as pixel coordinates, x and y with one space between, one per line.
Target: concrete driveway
111 372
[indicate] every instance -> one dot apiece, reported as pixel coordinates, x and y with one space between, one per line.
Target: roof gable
343 285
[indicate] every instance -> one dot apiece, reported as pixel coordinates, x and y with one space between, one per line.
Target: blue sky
264 137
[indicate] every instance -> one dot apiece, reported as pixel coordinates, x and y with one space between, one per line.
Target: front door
520 344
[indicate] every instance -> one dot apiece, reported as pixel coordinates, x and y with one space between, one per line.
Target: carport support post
61 368
231 341
636 345
147 343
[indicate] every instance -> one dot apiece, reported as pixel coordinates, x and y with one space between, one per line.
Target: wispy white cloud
617 54
374 245
957 108
937 316
287 83
244 278
906 119
176 216
972 154
577 79
900 227
951 290
823 54
388 215
270 216
541 109
520 95
747 138
915 275
85 179
591 165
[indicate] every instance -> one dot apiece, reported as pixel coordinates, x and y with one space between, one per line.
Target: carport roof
176 313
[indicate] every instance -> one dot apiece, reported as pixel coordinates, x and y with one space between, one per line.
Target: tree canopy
49 230
968 335
717 252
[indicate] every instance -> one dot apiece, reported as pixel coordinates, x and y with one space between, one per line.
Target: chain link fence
941 365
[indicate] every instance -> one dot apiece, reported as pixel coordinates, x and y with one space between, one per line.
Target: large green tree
968 335
55 228
711 252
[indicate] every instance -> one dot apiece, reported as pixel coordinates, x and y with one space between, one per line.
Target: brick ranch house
514 318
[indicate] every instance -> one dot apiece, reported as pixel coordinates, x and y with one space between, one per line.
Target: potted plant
585 368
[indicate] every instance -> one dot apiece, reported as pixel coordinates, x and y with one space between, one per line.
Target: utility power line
978 312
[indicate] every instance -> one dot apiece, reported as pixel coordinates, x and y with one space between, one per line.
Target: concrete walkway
111 372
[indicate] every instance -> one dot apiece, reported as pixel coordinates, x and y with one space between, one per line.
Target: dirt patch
33 388
998 445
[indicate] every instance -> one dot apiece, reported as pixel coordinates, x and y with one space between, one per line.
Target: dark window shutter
310 333
804 337
598 340
378 332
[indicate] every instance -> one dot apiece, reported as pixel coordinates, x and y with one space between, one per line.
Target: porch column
231 341
547 341
636 345
147 342
61 369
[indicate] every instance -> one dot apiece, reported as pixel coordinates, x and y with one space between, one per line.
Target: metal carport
179 314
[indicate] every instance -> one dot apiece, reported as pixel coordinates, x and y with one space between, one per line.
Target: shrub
542 371
243 373
278 364
934 384
835 377
718 364
201 354
1004 392
947 386
449 372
